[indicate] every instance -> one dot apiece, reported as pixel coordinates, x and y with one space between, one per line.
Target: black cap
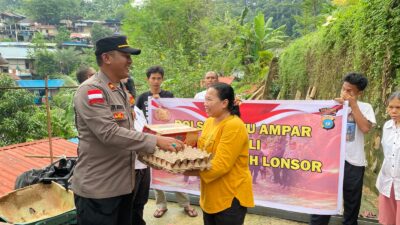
118 43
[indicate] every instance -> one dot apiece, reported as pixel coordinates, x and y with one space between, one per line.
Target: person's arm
98 117
362 122
228 150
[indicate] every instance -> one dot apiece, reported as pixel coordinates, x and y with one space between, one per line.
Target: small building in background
9 25
20 63
37 87
48 31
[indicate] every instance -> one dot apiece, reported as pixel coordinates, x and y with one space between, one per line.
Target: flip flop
159 213
190 211
368 215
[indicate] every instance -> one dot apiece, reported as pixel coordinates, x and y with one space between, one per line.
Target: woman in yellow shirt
226 189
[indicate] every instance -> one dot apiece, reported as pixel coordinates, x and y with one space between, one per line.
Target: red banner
296 151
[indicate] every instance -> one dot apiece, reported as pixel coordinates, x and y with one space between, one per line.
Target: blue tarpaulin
40 84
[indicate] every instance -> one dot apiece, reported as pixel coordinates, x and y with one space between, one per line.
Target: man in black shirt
155 77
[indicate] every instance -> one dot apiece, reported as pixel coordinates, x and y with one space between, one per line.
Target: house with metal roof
20 62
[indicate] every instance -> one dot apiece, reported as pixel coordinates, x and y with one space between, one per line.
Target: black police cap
117 42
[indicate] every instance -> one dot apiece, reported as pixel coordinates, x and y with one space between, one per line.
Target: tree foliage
98 32
258 41
313 14
363 37
21 120
103 9
52 11
62 35
191 37
11 5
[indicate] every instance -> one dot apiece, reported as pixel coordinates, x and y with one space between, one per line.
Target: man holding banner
359 122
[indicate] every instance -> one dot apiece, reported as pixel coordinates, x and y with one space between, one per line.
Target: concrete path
176 216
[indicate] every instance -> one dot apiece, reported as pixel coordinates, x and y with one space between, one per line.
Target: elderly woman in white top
388 182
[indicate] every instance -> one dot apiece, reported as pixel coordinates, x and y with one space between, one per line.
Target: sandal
160 212
190 211
368 215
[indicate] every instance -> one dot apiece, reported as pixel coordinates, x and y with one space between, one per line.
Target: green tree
103 9
313 13
258 40
62 35
68 60
283 12
99 31
21 120
170 33
11 5
45 63
52 11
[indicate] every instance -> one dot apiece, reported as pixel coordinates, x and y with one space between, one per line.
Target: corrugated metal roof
40 84
227 80
14 52
13 161
14 77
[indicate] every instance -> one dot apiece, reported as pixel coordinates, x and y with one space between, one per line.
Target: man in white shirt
360 120
210 78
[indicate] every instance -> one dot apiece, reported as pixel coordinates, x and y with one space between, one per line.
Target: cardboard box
182 132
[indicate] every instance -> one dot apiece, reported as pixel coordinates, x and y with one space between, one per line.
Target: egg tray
190 158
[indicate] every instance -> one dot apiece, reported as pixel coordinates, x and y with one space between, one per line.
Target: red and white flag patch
95 96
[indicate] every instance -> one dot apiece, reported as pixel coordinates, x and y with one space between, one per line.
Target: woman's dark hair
225 91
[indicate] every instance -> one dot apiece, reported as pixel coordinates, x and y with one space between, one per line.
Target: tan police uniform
107 140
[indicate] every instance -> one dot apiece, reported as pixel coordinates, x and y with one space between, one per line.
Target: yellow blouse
229 176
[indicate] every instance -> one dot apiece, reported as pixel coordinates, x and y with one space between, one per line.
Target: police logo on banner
328 117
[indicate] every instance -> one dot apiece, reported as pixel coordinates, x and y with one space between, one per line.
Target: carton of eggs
190 158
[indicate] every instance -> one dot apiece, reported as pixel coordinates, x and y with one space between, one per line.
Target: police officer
104 177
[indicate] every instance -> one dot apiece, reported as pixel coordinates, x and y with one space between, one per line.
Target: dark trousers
230 216
352 192
140 195
105 211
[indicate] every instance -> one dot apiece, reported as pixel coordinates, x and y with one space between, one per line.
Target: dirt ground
176 216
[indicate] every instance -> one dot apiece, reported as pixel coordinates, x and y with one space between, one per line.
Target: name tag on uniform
117 107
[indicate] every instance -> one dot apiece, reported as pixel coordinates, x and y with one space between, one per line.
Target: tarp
40 84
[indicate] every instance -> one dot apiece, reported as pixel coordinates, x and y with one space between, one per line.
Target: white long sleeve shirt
390 171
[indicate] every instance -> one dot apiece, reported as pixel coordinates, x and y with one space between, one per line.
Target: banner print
296 151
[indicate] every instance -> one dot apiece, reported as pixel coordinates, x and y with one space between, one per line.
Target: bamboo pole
43 156
49 131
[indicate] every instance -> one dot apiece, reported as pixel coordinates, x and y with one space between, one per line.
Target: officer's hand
170 144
